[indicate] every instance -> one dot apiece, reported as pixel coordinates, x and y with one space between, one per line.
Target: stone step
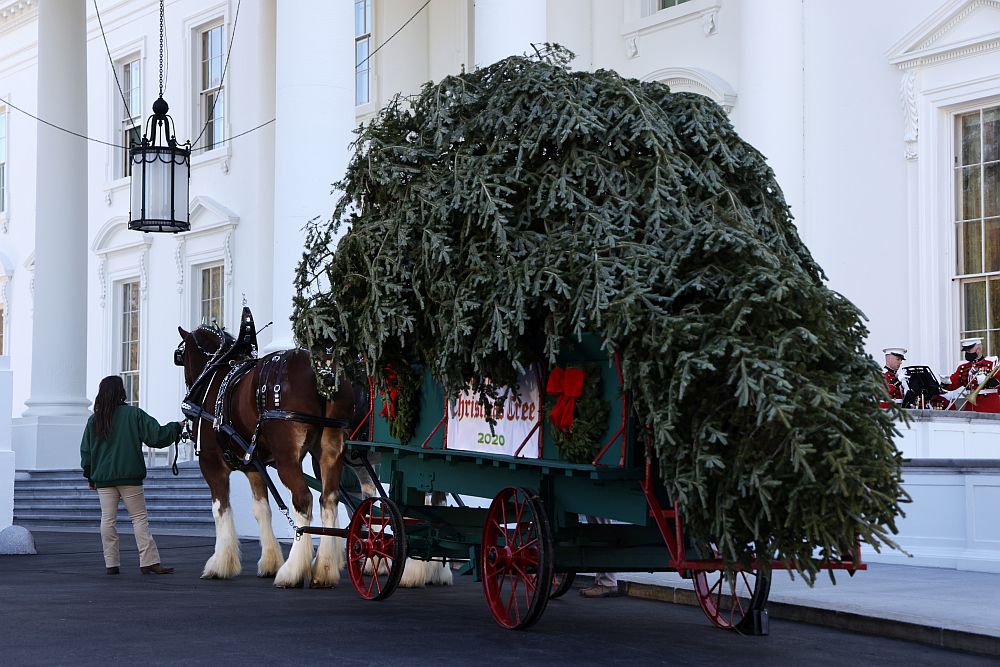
60 499
93 518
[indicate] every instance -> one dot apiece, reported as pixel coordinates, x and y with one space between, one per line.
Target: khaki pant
135 505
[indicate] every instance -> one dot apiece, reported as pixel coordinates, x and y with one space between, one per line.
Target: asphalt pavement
60 608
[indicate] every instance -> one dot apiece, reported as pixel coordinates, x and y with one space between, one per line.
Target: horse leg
329 559
225 560
297 569
271 558
439 573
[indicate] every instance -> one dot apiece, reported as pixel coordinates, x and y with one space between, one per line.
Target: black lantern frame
161 177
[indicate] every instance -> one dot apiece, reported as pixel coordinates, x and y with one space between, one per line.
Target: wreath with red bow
578 414
399 387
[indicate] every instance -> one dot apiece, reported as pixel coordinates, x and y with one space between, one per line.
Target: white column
508 27
769 110
314 107
6 453
58 404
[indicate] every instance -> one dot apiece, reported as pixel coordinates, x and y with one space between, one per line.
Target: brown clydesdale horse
288 383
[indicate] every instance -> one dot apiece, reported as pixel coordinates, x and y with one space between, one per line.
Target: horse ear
180 330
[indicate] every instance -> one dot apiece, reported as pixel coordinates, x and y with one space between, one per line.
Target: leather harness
237 452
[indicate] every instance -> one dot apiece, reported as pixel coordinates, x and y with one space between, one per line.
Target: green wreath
590 422
399 386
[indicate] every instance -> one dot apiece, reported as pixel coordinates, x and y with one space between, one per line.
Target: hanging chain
161 48
295 529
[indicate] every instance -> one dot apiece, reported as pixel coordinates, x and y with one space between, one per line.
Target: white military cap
896 351
969 343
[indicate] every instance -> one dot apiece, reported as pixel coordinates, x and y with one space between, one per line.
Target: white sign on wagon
468 429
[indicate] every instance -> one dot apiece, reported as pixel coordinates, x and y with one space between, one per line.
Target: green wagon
531 541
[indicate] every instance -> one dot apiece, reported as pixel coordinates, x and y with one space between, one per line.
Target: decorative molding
102 278
957 18
228 259
642 16
908 96
29 264
695 80
16 13
710 22
143 274
631 46
179 259
923 45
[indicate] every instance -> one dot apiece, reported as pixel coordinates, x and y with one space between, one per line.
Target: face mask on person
971 356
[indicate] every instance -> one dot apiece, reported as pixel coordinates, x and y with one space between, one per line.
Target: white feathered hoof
270 562
325 575
414 574
292 574
224 565
439 574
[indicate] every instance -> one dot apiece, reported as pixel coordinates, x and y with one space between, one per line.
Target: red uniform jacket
894 384
965 374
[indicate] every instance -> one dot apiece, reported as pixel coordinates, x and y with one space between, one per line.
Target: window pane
974 299
969 248
991 189
969 138
359 18
3 136
991 134
967 193
994 300
992 239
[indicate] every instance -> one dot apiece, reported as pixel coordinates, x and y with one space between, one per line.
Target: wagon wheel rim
561 583
729 599
376 548
516 558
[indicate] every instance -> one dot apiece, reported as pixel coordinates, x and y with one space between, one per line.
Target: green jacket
117 460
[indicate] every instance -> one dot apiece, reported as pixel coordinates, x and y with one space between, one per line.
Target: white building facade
881 121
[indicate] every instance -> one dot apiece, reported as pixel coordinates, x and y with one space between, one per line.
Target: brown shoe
114 570
599 591
156 568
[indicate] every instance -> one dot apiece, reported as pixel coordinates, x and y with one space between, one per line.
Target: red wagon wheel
517 558
376 548
734 602
561 583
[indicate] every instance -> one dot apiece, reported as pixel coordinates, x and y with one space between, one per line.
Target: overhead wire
9 104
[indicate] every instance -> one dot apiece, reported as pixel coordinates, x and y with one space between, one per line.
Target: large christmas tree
501 212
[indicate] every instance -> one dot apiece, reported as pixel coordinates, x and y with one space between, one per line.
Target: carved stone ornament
908 97
632 46
710 23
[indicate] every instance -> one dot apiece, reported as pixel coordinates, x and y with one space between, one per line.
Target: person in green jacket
111 458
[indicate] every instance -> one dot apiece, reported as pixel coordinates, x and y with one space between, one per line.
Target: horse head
198 348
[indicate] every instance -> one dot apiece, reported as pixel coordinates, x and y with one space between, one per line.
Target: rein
195 411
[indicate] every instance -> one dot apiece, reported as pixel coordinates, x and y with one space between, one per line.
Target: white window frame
364 34
193 25
201 299
211 241
132 122
120 337
121 256
204 89
134 49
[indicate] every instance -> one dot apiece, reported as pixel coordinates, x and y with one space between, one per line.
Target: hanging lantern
161 171
161 174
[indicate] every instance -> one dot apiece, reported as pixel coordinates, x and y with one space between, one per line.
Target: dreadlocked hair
110 394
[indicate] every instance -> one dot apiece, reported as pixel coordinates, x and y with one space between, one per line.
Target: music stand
923 386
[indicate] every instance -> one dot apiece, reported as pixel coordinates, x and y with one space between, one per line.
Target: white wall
952 520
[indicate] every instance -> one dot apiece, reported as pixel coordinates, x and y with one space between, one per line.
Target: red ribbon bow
568 386
389 402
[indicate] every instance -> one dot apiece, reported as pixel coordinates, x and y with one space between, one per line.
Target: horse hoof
295 584
322 584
